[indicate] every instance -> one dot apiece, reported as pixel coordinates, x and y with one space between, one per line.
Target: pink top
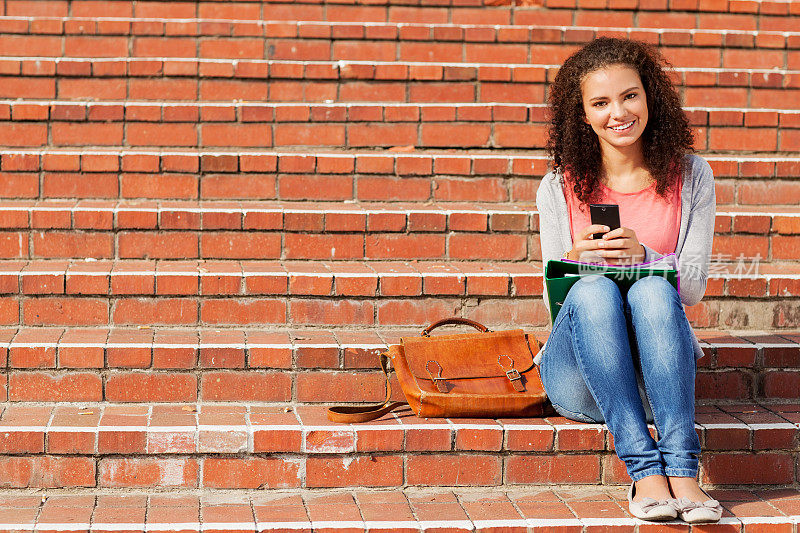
655 220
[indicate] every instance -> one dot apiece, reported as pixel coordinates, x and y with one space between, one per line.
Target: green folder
561 275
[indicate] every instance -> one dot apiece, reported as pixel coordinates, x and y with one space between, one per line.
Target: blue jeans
601 342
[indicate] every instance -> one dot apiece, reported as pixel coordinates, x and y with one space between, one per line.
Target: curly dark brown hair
573 145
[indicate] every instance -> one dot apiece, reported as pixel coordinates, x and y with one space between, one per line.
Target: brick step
137 229
311 365
333 217
568 509
337 232
345 81
404 175
384 279
32 123
244 446
745 306
773 15
750 240
180 32
417 452
385 41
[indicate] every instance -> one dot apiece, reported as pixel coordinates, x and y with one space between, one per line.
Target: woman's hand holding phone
621 247
617 247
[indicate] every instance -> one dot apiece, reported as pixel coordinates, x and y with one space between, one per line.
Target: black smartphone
605 214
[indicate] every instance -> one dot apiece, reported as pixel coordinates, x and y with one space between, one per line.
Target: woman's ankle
655 487
686 487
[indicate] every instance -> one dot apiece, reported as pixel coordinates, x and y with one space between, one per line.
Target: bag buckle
512 373
437 379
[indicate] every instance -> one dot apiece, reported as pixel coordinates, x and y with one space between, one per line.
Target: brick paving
570 509
247 446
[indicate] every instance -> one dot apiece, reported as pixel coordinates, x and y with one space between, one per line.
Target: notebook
561 275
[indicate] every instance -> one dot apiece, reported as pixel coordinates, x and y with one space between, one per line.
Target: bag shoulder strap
354 414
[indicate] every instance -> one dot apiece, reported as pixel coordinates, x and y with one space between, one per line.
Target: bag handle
352 414
455 320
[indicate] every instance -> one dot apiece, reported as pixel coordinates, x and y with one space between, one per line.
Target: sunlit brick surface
570 509
140 365
239 446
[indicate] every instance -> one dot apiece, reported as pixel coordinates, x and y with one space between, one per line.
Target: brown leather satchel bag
489 374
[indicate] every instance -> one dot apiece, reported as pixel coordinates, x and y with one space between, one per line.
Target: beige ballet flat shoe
651 509
707 512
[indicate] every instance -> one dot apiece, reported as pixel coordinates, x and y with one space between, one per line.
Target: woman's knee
595 284
594 295
654 295
651 287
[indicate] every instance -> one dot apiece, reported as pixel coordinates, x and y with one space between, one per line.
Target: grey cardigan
695 237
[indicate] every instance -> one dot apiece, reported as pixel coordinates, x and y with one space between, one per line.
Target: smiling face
615 106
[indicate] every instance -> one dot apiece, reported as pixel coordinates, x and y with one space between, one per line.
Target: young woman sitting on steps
618 135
